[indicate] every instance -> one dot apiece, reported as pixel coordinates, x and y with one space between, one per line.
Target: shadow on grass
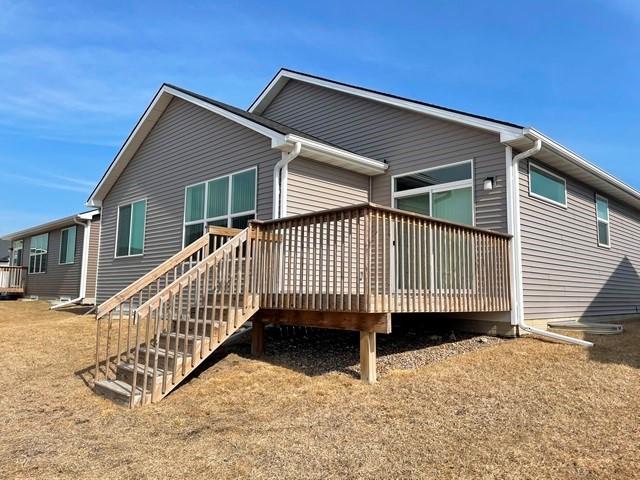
317 351
623 349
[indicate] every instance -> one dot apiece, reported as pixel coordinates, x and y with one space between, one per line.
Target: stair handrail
144 314
146 280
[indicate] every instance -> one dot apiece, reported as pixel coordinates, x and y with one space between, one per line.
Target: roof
52 225
511 134
282 138
260 103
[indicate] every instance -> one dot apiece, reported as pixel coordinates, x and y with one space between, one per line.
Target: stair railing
115 316
198 311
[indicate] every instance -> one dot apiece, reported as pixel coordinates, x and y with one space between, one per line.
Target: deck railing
116 316
12 279
369 258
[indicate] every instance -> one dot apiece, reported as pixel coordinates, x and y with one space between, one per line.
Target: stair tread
162 351
140 369
118 387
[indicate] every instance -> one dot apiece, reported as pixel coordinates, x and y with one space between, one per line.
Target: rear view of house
330 205
55 261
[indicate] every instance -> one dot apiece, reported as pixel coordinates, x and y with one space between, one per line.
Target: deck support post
368 357
257 337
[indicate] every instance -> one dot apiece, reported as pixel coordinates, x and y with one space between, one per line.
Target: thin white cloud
45 183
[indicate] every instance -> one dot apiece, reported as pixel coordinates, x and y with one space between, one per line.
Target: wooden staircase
164 325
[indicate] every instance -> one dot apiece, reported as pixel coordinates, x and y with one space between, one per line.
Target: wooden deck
348 268
12 280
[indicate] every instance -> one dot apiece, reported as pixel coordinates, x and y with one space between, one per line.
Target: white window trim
229 216
38 254
537 166
441 187
607 221
74 247
144 228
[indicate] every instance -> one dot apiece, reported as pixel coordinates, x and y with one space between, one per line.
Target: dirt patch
515 409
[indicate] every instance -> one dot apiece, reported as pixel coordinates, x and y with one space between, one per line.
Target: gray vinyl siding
406 140
59 280
565 273
188 145
314 186
92 261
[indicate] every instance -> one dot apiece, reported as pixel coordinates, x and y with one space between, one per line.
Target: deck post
368 357
257 337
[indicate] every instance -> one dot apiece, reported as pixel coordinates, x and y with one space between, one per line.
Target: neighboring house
4 252
59 258
530 231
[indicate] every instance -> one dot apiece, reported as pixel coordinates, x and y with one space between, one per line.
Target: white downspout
280 172
83 266
516 264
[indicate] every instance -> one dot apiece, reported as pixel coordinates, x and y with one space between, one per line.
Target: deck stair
183 321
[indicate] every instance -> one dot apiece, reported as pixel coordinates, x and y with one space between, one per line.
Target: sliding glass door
442 192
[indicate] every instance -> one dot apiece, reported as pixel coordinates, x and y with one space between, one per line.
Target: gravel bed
315 351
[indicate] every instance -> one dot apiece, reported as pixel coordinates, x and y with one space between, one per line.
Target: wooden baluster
147 341
167 343
335 262
350 263
187 323
108 357
308 267
216 310
178 330
343 262
157 346
224 315
96 376
294 275
238 282
358 252
129 322
385 270
118 351
135 362
196 319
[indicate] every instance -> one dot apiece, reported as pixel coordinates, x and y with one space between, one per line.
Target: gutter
516 265
280 173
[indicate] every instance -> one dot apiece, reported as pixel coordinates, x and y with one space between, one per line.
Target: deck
12 280
348 268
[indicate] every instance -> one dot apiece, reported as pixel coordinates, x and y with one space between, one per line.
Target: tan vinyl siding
59 280
314 186
92 265
406 140
186 146
565 272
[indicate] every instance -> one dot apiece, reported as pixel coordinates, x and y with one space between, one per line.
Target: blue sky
75 77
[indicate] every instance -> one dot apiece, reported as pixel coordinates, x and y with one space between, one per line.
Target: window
130 235
228 201
67 245
602 214
442 192
38 252
16 253
547 186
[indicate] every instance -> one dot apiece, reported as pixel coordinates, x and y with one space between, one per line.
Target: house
327 204
4 252
55 261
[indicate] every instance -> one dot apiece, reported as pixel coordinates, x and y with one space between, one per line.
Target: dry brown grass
520 409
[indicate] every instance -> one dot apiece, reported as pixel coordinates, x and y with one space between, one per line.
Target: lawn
511 409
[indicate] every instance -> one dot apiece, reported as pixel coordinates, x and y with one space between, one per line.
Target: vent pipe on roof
516 273
280 173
